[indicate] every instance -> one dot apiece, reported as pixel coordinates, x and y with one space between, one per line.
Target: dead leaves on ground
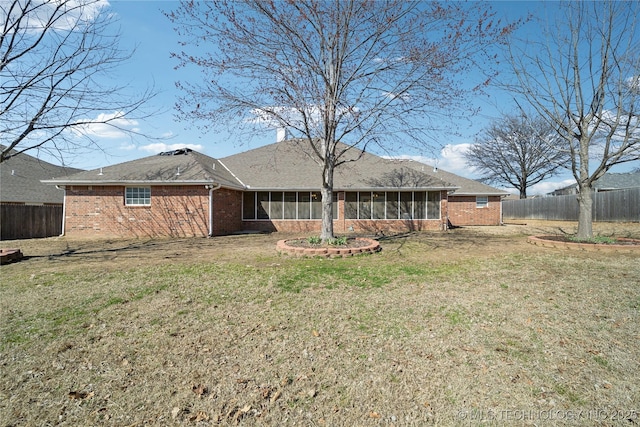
264 396
80 395
200 390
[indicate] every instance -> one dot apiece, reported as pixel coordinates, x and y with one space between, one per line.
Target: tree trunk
327 213
585 213
326 232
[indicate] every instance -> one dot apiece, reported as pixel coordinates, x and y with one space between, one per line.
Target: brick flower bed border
329 251
548 242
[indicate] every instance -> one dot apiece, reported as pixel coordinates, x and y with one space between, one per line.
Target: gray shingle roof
469 187
618 181
607 182
173 168
288 165
20 180
284 165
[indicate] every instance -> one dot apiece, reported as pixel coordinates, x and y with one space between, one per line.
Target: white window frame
482 202
141 194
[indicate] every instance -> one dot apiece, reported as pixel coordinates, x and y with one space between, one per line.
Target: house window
406 205
378 202
364 205
351 205
270 205
276 205
316 205
249 205
290 200
433 205
137 196
392 205
482 201
304 206
263 205
419 205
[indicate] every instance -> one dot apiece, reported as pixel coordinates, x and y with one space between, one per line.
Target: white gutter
64 206
211 188
125 182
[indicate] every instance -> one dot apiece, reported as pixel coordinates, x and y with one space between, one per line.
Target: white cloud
108 126
72 14
451 159
394 96
548 186
160 147
127 146
633 83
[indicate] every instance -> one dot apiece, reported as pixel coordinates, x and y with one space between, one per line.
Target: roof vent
178 152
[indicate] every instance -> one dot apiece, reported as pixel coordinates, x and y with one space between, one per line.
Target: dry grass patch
225 331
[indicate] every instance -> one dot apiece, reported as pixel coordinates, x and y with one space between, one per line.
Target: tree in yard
583 78
518 152
54 57
339 75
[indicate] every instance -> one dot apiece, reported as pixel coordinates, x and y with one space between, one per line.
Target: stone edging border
548 243
329 252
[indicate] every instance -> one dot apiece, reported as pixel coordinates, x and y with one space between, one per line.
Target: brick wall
462 211
183 211
100 210
227 208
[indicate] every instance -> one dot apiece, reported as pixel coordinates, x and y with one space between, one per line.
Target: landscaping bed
343 248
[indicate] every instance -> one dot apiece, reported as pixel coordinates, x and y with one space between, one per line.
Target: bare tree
356 72
54 59
583 78
518 152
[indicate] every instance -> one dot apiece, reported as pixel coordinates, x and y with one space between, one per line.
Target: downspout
211 189
64 206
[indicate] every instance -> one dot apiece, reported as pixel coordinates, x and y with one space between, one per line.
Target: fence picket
27 221
609 206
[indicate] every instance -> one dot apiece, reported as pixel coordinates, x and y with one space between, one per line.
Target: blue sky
145 28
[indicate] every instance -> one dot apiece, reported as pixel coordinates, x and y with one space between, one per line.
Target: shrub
314 240
338 241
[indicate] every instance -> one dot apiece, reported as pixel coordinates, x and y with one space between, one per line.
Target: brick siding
183 211
462 211
227 212
101 210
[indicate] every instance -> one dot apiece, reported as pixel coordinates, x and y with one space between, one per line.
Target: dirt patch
474 326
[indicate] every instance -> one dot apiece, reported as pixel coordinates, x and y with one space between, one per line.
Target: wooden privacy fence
614 206
26 221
